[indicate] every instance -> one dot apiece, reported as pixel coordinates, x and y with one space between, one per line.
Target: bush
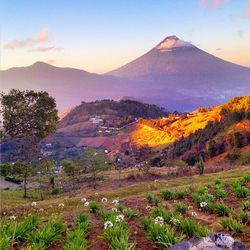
75 240
167 194
221 209
82 222
219 192
55 191
94 207
244 217
117 237
14 179
246 205
155 200
180 207
246 177
232 225
191 228
130 213
162 235
219 182
240 191
46 235
245 157
181 193
162 212
201 194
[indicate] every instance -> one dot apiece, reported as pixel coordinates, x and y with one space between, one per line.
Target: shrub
82 223
219 192
244 217
221 209
117 237
181 193
246 205
49 233
155 200
162 235
130 213
191 228
232 225
55 191
180 207
94 207
219 182
246 177
245 157
162 212
14 179
120 207
75 240
167 194
107 215
17 231
240 191
201 194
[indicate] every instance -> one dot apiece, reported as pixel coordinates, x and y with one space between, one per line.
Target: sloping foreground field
145 215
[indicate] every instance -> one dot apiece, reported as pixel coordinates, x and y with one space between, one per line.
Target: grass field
226 194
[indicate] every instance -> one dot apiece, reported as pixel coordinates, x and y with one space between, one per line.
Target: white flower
86 204
203 204
33 204
175 221
115 202
114 209
106 151
108 224
104 199
12 217
96 194
159 220
193 213
61 205
83 200
119 218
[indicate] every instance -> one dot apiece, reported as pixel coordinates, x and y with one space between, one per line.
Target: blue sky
100 35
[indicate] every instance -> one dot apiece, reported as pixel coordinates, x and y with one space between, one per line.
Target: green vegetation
161 234
191 228
232 225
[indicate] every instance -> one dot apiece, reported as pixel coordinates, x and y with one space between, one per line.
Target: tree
94 162
28 116
200 164
71 169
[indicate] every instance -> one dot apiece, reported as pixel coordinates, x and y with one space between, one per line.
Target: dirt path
94 240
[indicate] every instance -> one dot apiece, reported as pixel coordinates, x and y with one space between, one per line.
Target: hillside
109 110
210 131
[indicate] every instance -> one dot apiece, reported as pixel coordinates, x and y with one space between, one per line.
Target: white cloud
42 37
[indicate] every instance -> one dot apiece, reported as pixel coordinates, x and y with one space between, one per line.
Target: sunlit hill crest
167 130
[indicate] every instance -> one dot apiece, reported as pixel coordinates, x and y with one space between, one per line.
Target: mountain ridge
181 77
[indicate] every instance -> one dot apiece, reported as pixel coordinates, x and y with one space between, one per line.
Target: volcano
174 74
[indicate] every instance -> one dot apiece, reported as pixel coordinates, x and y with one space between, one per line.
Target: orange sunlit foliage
173 127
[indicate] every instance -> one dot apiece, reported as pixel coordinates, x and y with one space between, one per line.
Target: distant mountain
68 85
174 74
178 66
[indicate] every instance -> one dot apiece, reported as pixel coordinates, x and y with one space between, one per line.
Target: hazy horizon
96 36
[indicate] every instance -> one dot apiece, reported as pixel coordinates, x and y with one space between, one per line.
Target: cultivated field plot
149 215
